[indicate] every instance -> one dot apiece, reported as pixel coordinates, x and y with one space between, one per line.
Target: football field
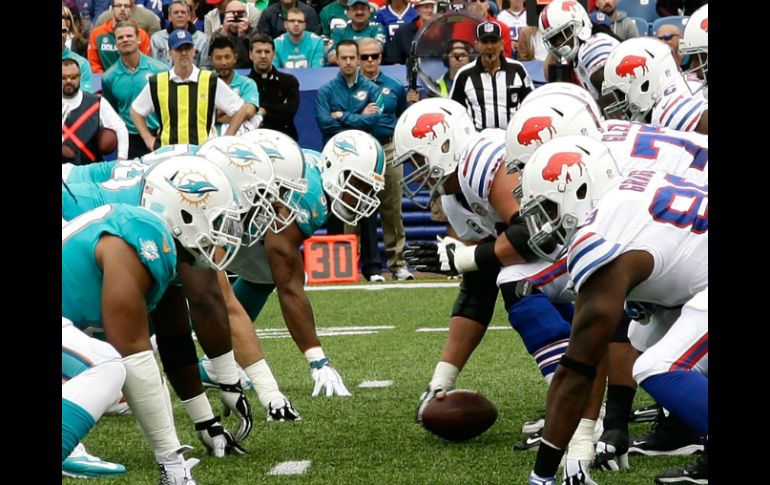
392 334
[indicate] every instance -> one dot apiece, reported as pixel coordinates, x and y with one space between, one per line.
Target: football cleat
531 442
534 426
81 464
697 473
669 436
647 414
209 379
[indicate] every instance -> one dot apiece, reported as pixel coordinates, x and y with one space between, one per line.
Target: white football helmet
695 42
566 88
635 73
251 172
353 171
561 184
563 23
543 119
169 151
199 205
289 167
430 137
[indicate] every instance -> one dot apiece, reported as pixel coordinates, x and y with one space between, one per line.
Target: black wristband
582 369
518 236
485 258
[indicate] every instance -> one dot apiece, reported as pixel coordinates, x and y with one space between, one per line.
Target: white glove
217 440
576 473
235 401
174 469
327 379
537 480
430 394
280 409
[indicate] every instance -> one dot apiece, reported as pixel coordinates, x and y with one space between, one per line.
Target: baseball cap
178 38
600 18
415 3
213 2
488 29
353 2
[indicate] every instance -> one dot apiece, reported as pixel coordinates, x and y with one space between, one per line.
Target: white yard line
290 468
446 329
375 384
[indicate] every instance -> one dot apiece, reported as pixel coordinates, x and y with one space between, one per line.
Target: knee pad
477 297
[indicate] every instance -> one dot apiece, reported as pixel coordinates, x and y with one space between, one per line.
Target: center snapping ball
460 416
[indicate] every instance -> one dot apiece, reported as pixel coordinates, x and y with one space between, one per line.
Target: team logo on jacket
629 64
531 129
193 188
148 250
386 91
360 95
430 125
560 163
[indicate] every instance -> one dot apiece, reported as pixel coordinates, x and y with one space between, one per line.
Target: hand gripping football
461 415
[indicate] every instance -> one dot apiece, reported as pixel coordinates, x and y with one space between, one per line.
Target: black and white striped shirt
491 100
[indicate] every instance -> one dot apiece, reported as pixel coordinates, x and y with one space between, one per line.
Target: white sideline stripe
432 329
376 287
290 468
375 384
320 334
268 333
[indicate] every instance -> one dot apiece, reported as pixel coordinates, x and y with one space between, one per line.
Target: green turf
371 437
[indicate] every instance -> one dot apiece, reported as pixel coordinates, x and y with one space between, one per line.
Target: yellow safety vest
185 110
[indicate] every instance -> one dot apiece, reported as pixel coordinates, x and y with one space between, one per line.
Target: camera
237 16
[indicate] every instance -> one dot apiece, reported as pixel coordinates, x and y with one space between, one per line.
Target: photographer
215 20
236 27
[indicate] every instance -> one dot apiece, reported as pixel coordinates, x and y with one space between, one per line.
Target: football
106 140
460 416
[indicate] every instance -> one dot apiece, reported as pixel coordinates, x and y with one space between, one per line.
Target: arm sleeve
458 93
318 57
144 43
143 103
110 119
284 112
250 93
93 53
323 112
226 99
86 78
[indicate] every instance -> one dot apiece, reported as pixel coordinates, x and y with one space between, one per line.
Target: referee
492 87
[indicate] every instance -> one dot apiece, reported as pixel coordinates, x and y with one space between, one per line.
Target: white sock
264 382
199 408
225 368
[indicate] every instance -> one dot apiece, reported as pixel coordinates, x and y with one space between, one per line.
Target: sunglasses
369 57
64 30
459 57
667 37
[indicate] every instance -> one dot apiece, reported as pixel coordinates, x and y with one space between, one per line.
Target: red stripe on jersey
671 105
692 355
581 240
467 159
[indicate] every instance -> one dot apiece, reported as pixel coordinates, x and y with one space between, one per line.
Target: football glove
280 409
429 395
217 440
174 469
576 473
448 256
612 451
235 401
327 379
538 480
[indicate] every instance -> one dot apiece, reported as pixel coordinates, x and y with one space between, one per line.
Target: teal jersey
246 88
332 17
82 279
373 30
313 209
86 76
79 198
120 87
308 53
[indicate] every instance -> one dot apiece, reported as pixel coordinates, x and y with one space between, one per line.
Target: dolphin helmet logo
193 188
530 130
239 157
629 64
426 125
273 153
559 162
344 147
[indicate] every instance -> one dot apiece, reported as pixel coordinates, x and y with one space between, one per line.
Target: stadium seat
673 20
641 25
644 9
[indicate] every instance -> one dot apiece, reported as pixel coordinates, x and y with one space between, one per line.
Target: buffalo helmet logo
559 162
705 25
629 64
530 130
427 124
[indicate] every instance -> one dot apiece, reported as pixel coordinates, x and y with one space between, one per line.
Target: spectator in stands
474 86
179 18
531 45
223 58
273 19
145 18
102 52
515 17
237 28
350 101
622 26
123 82
395 13
480 9
87 82
186 87
278 91
76 41
83 114
457 55
296 48
332 17
670 34
213 21
393 100
667 8
360 26
197 21
397 50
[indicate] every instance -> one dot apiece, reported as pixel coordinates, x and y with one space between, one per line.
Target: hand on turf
217 440
431 393
235 401
280 409
327 380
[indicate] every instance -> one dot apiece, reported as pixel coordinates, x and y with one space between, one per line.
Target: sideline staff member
185 98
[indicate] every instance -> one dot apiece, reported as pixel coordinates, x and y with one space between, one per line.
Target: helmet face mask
620 108
563 43
695 43
419 176
564 24
353 172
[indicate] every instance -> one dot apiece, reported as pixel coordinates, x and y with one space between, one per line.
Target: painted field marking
433 329
290 468
267 333
375 384
377 287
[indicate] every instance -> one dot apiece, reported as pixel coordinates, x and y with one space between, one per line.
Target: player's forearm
298 315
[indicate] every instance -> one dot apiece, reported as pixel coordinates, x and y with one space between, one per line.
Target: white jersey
655 212
640 146
514 21
552 279
677 108
478 166
591 56
467 224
